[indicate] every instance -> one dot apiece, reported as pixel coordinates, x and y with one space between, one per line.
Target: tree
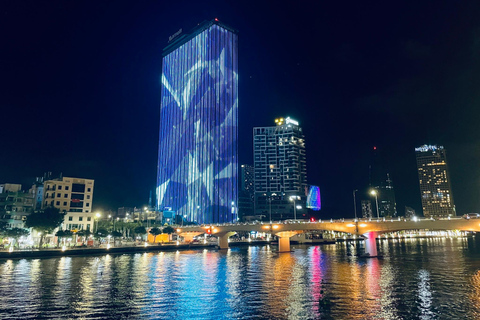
140 230
168 230
16 233
155 232
84 233
45 221
115 235
62 234
101 233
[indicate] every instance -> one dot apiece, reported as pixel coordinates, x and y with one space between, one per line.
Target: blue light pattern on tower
313 198
197 157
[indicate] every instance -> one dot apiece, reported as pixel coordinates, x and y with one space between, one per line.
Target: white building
73 196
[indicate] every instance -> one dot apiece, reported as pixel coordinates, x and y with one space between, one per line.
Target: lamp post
375 193
97 215
114 223
355 204
294 199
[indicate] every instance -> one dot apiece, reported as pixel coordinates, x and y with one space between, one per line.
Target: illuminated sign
173 36
426 148
290 120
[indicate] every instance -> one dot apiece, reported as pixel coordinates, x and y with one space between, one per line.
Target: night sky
80 90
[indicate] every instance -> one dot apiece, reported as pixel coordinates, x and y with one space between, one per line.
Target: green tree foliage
168 230
16 233
84 233
62 234
45 221
155 232
101 233
140 230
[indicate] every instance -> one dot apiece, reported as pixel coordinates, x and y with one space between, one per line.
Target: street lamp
355 204
375 193
294 199
97 215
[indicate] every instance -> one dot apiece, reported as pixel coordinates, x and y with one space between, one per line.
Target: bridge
370 229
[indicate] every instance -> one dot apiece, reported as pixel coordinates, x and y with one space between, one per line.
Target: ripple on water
417 279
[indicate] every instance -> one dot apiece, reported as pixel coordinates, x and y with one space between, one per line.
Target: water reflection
415 279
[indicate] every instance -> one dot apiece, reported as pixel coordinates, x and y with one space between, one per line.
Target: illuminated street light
97 215
375 193
294 199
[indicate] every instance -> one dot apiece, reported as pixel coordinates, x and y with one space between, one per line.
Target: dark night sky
80 92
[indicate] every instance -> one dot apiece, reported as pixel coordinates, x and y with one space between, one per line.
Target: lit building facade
246 194
314 201
197 156
74 196
387 206
280 170
435 187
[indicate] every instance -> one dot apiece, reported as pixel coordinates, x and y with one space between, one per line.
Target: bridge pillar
371 244
284 240
223 239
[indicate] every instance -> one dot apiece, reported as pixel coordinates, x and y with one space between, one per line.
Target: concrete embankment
46 253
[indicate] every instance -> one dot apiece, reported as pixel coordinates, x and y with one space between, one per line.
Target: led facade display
197 157
313 198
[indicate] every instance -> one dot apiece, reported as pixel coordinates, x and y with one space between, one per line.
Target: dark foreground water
416 279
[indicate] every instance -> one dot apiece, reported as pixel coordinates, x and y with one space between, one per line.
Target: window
70 218
89 218
66 188
80 218
65 195
77 187
89 189
58 195
59 187
58 203
64 203
88 196
88 204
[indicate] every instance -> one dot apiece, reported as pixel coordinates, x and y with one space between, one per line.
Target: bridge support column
284 240
223 239
371 244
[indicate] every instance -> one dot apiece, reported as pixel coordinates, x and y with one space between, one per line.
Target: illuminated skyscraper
435 188
280 170
197 154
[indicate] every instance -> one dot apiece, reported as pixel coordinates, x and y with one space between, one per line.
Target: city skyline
81 86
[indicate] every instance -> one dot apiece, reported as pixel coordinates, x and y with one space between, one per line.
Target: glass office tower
197 154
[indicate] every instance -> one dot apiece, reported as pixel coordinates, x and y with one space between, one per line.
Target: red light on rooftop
374 148
216 19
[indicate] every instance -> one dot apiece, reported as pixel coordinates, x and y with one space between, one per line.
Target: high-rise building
197 154
246 194
435 187
387 206
248 178
366 209
73 196
280 170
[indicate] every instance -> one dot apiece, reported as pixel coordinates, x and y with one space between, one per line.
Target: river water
415 279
